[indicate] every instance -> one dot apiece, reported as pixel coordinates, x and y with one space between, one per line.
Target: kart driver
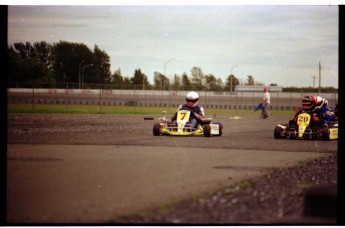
308 105
322 109
317 107
197 112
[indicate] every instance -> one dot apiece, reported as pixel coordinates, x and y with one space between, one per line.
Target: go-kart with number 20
303 128
181 127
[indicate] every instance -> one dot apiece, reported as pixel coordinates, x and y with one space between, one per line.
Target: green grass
245 184
304 186
123 110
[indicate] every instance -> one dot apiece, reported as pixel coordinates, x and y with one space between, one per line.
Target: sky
280 44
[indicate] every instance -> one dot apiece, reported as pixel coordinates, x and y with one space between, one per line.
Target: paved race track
93 168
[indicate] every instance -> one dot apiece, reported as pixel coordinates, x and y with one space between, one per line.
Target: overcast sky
280 44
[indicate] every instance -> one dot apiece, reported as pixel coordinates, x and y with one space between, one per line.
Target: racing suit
327 115
197 113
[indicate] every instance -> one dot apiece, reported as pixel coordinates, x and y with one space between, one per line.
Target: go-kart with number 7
181 127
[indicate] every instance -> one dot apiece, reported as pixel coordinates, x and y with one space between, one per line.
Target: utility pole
232 68
313 81
80 65
143 82
319 78
165 66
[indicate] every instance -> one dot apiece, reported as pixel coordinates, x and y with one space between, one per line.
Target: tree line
59 62
75 65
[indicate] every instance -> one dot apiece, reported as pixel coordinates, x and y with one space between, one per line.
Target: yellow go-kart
303 128
181 126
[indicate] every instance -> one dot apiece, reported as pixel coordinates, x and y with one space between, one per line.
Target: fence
158 98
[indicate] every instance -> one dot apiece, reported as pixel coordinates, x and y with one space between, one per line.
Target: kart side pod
330 133
216 129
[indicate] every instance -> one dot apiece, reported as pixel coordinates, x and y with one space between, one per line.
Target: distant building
247 88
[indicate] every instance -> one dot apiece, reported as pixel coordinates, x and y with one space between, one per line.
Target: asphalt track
94 181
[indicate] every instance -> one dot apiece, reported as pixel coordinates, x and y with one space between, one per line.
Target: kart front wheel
156 129
277 132
207 130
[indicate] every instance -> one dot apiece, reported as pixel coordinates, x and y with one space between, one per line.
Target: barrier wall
156 98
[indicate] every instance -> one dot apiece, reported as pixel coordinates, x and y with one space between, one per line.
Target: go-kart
181 127
304 128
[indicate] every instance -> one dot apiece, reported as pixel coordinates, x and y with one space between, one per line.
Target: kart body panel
181 127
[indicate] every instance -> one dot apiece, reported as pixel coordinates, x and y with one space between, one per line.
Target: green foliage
29 64
140 80
161 82
198 78
250 80
245 184
177 83
212 83
43 63
304 186
186 83
73 65
310 90
232 82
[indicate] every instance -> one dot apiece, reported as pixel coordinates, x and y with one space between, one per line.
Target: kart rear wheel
156 129
325 133
207 130
277 132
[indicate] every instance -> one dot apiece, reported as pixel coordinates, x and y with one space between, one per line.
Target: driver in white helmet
197 112
320 102
322 109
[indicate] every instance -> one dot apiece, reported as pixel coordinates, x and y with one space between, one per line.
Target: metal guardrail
155 98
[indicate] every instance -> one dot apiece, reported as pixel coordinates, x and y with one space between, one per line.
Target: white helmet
192 97
320 102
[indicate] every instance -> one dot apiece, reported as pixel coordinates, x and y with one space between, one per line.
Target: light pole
82 73
313 81
165 65
319 78
232 68
79 71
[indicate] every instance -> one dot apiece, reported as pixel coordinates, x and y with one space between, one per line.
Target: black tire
157 129
277 132
325 133
207 130
220 128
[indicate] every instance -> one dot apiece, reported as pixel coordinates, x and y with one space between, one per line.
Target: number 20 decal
303 119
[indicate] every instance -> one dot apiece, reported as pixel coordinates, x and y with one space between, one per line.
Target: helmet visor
192 101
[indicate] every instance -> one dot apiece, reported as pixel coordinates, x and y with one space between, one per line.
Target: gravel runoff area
279 197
